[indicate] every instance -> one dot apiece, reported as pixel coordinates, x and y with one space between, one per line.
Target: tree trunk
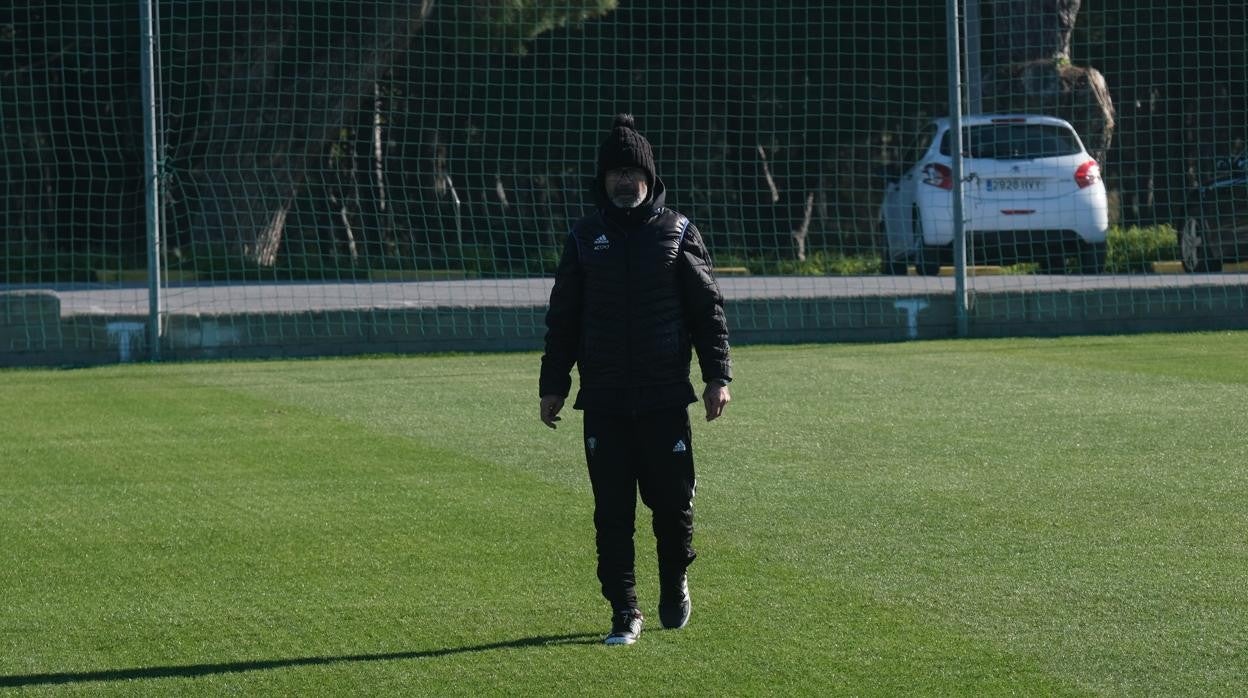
278 94
803 229
1028 30
1030 70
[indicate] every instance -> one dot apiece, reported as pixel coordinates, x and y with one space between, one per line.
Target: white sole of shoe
619 641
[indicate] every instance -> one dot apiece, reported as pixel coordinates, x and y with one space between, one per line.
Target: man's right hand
551 404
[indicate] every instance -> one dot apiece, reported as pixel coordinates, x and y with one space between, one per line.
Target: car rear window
1015 141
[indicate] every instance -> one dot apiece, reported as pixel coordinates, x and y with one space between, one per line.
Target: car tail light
1087 174
938 175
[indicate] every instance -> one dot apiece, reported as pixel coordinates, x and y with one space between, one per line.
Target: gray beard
628 200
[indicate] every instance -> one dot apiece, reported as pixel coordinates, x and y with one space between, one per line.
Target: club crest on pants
592 444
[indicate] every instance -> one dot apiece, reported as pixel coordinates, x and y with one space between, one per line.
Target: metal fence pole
955 120
974 60
151 152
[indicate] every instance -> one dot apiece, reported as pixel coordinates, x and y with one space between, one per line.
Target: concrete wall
32 331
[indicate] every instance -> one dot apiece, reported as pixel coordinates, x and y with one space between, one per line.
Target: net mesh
400 175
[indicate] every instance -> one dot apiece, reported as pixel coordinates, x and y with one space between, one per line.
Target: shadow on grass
194 670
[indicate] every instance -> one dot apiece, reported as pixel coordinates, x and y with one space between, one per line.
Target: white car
1031 193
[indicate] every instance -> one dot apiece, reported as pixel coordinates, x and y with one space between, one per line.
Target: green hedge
1133 250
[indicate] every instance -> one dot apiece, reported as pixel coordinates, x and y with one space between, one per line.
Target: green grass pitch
983 517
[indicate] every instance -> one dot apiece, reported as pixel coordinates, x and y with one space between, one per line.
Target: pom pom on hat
625 147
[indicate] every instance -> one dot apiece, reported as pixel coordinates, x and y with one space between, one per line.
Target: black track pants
651 453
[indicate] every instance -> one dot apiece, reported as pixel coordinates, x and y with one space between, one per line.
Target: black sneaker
625 627
674 604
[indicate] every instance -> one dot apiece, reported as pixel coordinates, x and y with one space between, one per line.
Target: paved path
303 297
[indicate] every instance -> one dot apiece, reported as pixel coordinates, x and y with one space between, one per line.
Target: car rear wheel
1052 261
928 263
895 267
888 264
1092 257
1194 247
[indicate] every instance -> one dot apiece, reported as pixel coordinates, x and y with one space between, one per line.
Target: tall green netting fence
375 176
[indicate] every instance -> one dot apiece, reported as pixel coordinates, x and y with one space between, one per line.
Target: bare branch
799 235
771 182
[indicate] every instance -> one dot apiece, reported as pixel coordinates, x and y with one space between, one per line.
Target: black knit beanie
625 147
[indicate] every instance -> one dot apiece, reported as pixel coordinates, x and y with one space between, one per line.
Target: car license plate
1024 184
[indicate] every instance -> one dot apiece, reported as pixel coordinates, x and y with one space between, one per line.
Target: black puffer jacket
633 294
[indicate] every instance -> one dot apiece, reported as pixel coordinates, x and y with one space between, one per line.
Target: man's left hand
716 398
551 404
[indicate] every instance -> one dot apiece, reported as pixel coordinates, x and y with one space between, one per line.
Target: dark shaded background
827 93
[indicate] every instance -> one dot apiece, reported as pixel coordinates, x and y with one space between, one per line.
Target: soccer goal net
383 175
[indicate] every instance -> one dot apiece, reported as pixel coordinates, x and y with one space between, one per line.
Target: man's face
626 186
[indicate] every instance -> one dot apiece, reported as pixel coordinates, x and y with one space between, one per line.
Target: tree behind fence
383 141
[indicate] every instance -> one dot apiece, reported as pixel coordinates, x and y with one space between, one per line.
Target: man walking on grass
634 296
